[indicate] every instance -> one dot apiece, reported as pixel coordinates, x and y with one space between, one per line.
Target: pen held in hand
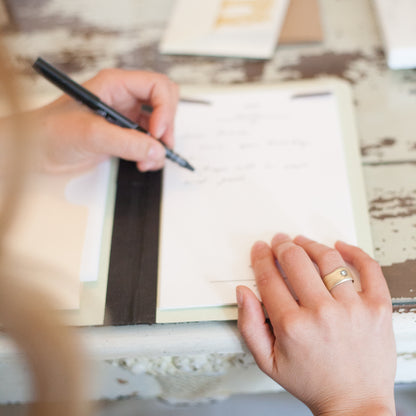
81 94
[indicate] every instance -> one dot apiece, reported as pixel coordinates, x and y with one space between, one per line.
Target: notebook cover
132 276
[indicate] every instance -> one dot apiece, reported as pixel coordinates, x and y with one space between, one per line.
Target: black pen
87 98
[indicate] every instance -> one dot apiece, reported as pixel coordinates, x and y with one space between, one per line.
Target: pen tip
191 168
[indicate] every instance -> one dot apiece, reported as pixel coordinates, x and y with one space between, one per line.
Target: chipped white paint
199 361
391 192
352 49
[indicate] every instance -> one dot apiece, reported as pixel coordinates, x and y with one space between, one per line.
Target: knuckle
289 252
379 313
327 312
263 277
106 73
163 79
331 257
291 325
137 150
372 266
382 307
260 253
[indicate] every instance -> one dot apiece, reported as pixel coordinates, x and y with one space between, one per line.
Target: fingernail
259 247
279 238
341 242
155 152
145 166
239 296
152 152
259 244
302 239
160 131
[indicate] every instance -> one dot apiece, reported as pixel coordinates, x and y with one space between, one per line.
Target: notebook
248 29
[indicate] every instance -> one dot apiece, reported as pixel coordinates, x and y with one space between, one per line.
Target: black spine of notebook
132 277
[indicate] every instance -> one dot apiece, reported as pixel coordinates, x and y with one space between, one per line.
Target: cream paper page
90 190
238 28
267 160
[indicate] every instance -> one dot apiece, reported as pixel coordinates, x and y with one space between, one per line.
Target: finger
273 290
150 165
118 87
161 94
372 279
256 332
327 259
168 135
106 138
143 120
161 122
300 271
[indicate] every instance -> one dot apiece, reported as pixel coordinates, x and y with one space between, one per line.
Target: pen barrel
58 78
115 117
81 94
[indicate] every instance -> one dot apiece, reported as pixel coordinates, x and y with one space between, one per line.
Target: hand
335 350
71 137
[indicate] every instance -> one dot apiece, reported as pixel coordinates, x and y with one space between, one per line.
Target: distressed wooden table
208 359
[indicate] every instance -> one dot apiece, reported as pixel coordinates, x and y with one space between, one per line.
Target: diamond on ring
338 276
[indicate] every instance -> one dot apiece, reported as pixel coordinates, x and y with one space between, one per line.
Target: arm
71 137
333 350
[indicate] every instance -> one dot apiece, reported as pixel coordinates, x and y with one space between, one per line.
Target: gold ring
338 276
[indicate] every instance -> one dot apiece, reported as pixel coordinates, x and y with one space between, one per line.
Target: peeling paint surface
391 195
126 33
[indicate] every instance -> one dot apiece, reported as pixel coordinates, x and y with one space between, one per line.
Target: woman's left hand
334 350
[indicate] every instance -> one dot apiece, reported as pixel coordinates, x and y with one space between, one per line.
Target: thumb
255 330
110 139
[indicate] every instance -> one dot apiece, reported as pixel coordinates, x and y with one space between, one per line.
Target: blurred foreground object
4 15
397 24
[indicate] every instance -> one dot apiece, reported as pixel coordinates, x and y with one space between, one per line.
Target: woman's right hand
70 137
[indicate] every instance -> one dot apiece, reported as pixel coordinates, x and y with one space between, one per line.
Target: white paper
265 162
248 28
90 190
397 22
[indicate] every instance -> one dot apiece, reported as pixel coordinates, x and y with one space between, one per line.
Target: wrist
365 410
